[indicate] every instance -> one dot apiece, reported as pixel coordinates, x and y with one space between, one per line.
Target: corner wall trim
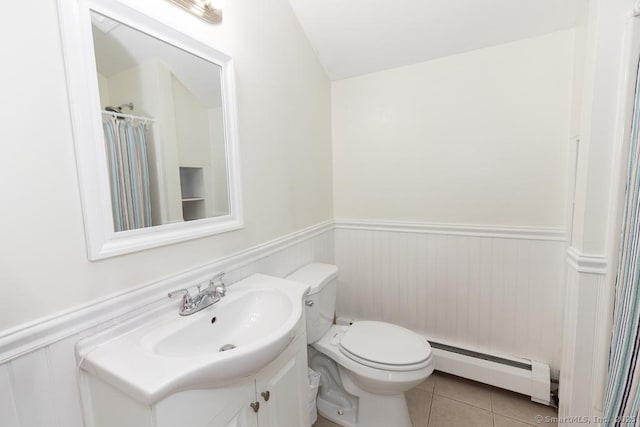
495 231
34 335
583 263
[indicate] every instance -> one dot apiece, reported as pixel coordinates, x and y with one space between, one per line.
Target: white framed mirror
154 119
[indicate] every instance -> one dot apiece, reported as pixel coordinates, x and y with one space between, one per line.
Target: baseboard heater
523 376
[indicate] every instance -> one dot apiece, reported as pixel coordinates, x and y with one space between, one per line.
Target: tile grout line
510 417
433 393
491 401
431 405
518 420
481 386
493 414
462 401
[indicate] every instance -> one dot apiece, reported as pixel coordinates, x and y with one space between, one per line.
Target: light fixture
208 10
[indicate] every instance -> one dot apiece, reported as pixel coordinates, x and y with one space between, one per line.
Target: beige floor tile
520 407
427 385
419 403
500 421
463 390
451 413
323 422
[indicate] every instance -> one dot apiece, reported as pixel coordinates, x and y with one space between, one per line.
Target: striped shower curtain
622 400
126 148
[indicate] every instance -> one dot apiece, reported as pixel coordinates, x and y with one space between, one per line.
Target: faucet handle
220 290
186 296
217 283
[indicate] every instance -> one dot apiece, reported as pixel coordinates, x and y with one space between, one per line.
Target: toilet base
377 410
343 415
341 401
333 402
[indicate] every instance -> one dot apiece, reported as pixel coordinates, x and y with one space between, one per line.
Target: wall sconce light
208 10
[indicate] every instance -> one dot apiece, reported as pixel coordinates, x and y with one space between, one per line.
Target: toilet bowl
366 367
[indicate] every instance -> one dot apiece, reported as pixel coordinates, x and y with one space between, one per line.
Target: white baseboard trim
34 335
593 264
494 231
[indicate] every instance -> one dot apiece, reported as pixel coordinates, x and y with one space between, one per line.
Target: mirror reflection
163 127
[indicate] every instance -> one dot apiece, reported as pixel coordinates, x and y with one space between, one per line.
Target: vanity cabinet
274 397
279 398
281 391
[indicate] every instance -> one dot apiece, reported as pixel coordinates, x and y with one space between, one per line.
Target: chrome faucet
214 291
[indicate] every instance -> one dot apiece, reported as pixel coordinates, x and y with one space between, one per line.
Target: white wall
285 155
219 162
192 127
477 138
103 89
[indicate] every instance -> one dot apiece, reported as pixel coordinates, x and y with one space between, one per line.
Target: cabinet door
226 406
246 417
282 392
237 411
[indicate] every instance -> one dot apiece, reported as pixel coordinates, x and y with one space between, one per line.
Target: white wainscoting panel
587 336
493 289
8 408
61 357
32 389
38 375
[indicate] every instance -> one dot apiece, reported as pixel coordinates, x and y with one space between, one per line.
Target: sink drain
227 347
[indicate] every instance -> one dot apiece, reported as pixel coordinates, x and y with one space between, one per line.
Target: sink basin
244 319
232 339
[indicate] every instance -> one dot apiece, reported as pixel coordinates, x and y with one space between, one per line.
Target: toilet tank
320 302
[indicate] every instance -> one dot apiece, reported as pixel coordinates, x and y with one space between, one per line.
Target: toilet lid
384 343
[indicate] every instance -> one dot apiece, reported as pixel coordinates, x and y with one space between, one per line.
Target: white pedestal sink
229 340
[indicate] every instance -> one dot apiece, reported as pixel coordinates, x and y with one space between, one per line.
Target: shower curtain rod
128 116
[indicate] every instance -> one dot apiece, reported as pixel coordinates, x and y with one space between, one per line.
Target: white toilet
365 367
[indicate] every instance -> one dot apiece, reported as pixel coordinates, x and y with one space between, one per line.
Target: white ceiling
354 37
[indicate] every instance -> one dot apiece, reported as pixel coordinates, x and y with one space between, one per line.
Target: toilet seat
385 346
384 367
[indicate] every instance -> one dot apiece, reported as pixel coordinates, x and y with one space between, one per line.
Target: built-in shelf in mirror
192 187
